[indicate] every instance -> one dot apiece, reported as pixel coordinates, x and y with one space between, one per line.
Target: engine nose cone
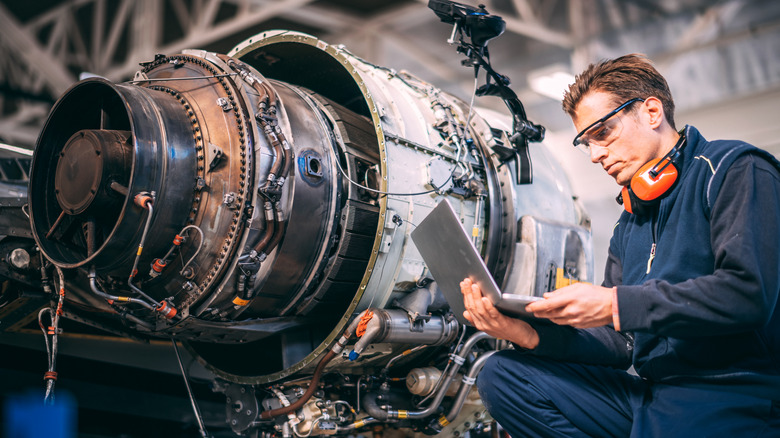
88 163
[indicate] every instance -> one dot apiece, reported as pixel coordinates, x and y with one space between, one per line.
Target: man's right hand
484 316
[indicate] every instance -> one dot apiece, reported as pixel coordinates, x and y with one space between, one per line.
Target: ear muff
652 182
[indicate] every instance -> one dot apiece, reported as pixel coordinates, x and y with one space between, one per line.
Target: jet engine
257 207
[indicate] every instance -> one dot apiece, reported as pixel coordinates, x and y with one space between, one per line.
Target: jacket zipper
653 226
650 259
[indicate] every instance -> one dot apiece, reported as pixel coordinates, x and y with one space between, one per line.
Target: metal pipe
195 408
360 423
468 381
145 201
93 286
457 360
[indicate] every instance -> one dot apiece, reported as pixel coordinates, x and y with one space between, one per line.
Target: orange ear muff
651 183
654 179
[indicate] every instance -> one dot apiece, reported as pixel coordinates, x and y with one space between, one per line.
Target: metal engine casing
368 152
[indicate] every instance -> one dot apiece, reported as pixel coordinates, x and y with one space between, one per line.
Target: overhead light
550 81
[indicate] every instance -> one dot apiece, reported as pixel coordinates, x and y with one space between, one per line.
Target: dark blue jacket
706 312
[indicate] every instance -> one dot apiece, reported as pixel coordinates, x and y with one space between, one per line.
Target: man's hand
483 315
580 305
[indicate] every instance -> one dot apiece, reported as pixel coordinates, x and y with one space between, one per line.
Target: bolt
20 258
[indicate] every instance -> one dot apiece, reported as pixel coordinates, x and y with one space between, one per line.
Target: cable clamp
457 359
469 380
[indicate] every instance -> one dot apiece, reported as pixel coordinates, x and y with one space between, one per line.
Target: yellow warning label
239 302
562 279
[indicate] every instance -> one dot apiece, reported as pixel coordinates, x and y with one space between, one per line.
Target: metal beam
27 48
539 32
117 26
324 18
525 10
430 62
199 37
20 128
535 29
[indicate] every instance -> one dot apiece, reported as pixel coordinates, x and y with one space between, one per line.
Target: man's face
632 146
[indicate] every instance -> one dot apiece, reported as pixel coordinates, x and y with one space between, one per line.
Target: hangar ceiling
721 57
712 51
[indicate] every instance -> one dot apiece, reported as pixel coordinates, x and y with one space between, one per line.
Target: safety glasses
603 131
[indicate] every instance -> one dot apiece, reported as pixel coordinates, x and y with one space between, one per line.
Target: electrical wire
405 353
342 48
136 81
200 245
458 146
51 347
357 184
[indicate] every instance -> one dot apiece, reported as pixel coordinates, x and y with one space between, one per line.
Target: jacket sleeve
599 346
745 237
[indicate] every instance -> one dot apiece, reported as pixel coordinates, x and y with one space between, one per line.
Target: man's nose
597 153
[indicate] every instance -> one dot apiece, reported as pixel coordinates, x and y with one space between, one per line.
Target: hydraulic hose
371 406
267 108
277 147
278 232
315 379
288 158
269 228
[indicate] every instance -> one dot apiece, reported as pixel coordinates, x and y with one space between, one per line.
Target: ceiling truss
46 53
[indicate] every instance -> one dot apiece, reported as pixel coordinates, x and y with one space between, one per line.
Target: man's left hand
580 305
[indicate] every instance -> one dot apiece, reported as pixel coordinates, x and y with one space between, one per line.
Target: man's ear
654 109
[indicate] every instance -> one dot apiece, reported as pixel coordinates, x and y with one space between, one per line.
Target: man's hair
626 77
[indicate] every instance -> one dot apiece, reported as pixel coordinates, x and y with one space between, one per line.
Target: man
690 295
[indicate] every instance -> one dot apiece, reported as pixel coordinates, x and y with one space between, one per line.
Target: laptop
447 250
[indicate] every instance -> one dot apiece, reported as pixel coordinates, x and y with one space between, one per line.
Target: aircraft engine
257 206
